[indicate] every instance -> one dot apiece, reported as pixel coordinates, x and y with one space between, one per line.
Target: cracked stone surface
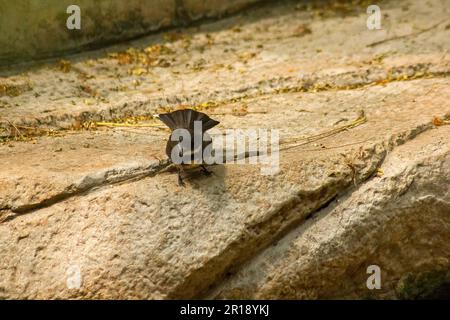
78 195
399 221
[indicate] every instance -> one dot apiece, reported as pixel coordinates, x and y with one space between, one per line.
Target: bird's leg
180 178
205 171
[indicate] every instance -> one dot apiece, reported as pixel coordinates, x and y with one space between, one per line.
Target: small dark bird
184 119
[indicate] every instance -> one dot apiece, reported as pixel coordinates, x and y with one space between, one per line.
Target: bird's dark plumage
184 119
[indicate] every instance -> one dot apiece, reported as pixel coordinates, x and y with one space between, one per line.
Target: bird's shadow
212 185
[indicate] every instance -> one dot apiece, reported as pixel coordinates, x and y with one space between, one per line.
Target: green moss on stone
428 285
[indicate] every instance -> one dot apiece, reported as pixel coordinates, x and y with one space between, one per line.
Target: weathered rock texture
36 29
75 195
399 221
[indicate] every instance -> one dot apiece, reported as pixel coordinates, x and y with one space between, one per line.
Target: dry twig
373 44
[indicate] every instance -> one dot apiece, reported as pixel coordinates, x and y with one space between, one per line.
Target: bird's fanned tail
184 119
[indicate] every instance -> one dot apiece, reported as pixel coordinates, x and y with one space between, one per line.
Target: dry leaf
380 172
89 102
240 111
438 121
64 66
302 31
137 71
